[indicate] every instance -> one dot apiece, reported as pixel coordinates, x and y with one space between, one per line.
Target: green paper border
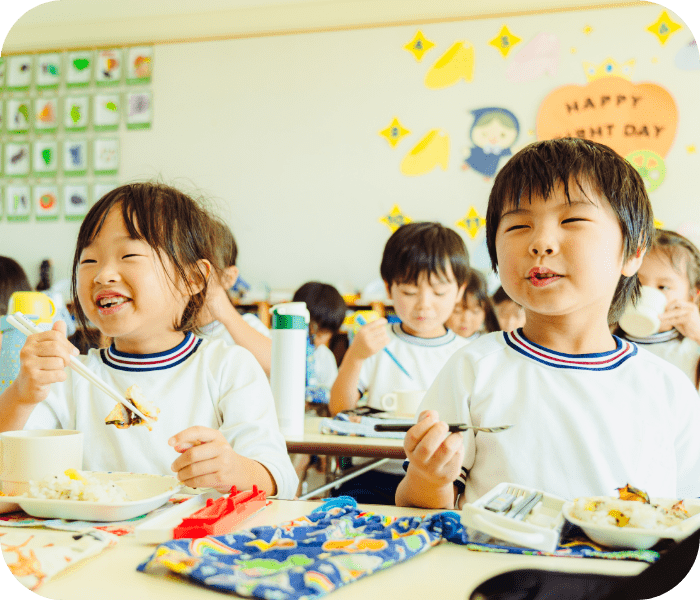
138 125
75 173
111 172
108 82
47 218
138 80
74 217
72 129
45 174
50 86
106 127
18 89
18 131
78 85
50 130
16 218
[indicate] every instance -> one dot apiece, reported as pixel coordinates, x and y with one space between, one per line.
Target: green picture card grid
46 202
105 156
17 202
106 112
109 66
139 109
18 75
3 70
17 161
45 158
2 116
18 115
75 201
48 70
139 64
76 112
46 114
75 157
79 66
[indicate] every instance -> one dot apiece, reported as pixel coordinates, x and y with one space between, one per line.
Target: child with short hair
474 314
510 315
140 274
568 222
219 318
425 267
672 265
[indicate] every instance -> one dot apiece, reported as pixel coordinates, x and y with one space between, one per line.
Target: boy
425 267
568 223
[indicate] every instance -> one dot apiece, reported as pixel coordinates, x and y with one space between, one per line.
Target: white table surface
446 571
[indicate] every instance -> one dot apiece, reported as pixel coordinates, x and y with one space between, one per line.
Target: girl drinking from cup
672 265
140 275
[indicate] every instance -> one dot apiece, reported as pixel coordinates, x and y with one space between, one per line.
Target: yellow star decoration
395 219
504 41
472 222
691 149
531 132
664 27
418 46
658 224
573 50
655 59
394 132
588 30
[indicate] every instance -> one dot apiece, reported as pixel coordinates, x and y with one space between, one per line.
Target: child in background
567 225
672 265
219 318
425 267
474 314
12 279
140 274
510 315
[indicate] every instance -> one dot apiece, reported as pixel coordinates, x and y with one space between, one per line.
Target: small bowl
636 538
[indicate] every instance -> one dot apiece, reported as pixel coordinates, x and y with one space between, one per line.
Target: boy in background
567 225
425 267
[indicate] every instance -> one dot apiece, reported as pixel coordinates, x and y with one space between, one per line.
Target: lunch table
445 571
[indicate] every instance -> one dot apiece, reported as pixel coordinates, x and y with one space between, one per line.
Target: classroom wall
282 135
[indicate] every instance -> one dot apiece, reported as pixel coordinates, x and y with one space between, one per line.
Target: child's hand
435 456
207 459
369 339
43 360
217 301
685 317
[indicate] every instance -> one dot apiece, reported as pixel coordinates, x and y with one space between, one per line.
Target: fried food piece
122 417
632 493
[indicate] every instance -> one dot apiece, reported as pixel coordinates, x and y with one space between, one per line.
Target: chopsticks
20 322
452 427
361 320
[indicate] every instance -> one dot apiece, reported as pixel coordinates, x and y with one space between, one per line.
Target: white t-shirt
196 383
583 424
325 366
217 330
671 346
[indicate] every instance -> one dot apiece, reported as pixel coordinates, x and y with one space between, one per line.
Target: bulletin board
315 146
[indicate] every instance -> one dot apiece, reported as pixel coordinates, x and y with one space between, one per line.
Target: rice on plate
73 485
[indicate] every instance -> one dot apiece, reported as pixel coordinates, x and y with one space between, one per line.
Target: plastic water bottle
290 325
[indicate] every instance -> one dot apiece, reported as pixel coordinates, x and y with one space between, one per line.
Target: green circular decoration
650 166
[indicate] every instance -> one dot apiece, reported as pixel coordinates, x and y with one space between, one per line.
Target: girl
219 318
474 313
510 315
672 265
140 275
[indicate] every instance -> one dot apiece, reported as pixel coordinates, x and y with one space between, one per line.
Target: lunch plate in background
637 538
146 493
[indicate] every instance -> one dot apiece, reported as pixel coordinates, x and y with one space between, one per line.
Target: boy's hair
500 295
326 305
476 286
223 245
417 248
12 279
170 222
676 247
45 275
540 166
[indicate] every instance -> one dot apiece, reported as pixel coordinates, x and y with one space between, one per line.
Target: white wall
281 132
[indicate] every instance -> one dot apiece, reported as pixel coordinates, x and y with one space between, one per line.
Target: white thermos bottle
290 325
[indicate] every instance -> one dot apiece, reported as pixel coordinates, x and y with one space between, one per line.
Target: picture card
17 162
48 70
17 202
19 72
18 115
75 157
46 114
75 112
79 68
139 110
75 201
45 155
105 158
139 64
106 111
45 200
108 66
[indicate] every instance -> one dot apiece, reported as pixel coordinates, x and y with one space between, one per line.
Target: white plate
635 537
147 492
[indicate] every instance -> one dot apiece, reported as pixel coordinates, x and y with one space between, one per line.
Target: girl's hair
476 286
45 276
500 295
326 305
223 245
12 279
540 166
170 222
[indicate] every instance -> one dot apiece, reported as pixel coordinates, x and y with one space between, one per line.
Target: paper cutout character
394 132
457 63
650 166
608 68
539 56
493 133
418 46
432 150
664 27
687 58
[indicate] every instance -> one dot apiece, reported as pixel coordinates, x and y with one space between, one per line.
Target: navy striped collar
655 338
418 341
601 361
151 362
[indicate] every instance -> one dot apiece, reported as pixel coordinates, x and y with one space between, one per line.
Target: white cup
403 402
33 454
642 319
